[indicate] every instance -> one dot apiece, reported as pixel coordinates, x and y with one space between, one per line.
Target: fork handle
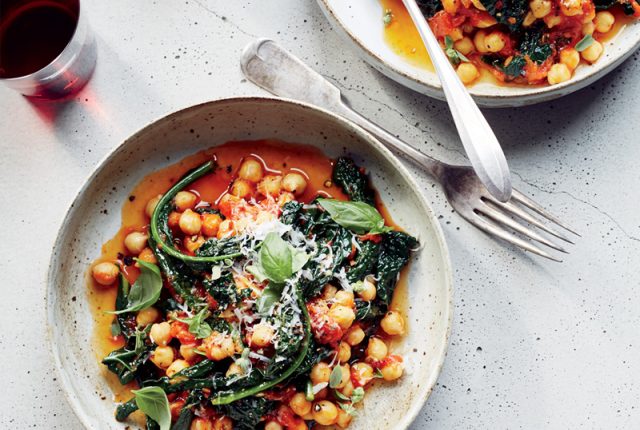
431 165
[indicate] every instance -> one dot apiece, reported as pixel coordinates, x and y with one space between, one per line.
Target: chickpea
354 336
251 170
540 8
226 229
342 315
294 183
464 46
147 316
467 73
552 20
325 412
176 367
162 356
494 41
456 34
190 222
174 220
273 425
368 290
299 404
223 423
185 200
151 205
105 273
344 352
348 389
593 52
135 242
450 6
270 185
377 349
485 21
241 188
345 376
362 372
478 5
478 41
392 371
344 298
234 369
393 323
285 198
219 346
570 58
188 352
588 28
529 19
192 243
147 256
320 373
161 333
558 73
571 7
329 292
210 224
604 21
344 419
200 423
262 335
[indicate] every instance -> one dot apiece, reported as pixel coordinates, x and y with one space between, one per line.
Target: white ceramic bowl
360 23
86 227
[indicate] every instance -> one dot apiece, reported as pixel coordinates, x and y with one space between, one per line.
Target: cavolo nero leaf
154 403
358 217
146 290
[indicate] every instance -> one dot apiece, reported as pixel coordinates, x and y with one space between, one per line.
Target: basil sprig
145 291
197 325
154 403
358 217
584 43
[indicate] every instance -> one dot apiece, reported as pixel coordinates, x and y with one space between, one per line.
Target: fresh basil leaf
349 409
257 272
358 217
448 42
154 403
357 395
275 258
115 328
197 325
270 296
585 42
146 290
463 57
341 396
336 377
298 259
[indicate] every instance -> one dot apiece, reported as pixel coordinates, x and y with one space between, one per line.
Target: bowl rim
524 96
423 393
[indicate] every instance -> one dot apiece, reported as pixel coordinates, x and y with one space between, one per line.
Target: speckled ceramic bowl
360 23
94 218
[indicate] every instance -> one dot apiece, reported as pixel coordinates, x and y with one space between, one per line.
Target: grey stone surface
535 344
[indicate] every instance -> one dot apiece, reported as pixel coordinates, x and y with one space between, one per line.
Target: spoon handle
479 141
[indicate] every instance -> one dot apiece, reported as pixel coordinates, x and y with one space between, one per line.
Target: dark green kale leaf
127 361
184 420
365 261
531 44
224 290
353 181
395 253
247 413
508 12
605 4
369 311
219 247
429 7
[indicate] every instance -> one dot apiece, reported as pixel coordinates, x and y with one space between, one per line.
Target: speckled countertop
535 344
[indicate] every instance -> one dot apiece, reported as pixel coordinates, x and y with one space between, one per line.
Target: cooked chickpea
558 73
294 183
285 197
571 7
223 423
348 389
552 20
362 372
329 292
151 205
342 315
234 369
200 423
162 356
147 256
219 346
135 242
345 375
192 243
593 52
241 188
588 28
262 335
147 316
344 419
300 405
273 425
478 4
393 323
161 333
251 170
540 8
325 412
367 291
451 6
344 298
570 58
226 229
105 273
344 352
177 366
185 200
174 220
464 46
377 349
494 41
270 185
604 21
529 19
190 222
210 224
478 41
355 335
467 72
320 373
188 352
392 371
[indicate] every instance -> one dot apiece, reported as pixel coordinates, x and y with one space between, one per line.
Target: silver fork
271 67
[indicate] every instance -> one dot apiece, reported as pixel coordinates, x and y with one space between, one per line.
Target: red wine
33 34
